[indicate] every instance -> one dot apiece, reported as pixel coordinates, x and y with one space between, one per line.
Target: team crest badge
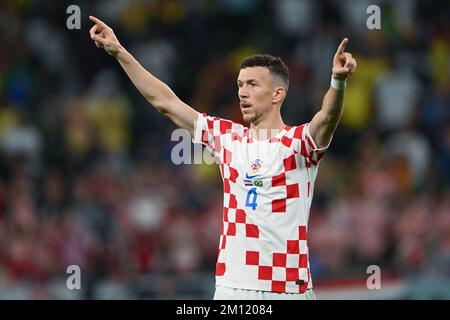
255 166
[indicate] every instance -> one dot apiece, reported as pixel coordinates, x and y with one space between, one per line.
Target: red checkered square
292 191
233 174
233 202
251 231
264 273
220 269
240 216
299 132
279 286
286 141
293 247
225 126
226 185
210 123
279 180
252 258
231 231
225 214
279 205
303 261
302 233
292 274
279 260
289 163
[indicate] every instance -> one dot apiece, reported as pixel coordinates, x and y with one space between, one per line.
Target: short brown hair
275 65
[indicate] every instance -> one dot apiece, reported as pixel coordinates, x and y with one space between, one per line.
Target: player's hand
104 37
344 65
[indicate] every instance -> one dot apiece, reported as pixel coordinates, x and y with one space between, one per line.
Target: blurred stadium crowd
86 176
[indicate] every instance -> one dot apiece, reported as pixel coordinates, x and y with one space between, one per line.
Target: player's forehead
253 73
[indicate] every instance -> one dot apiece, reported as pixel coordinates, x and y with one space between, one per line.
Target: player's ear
278 94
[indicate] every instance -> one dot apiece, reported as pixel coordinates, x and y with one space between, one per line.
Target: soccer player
268 169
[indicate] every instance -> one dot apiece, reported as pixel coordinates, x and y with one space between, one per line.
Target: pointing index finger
98 21
342 46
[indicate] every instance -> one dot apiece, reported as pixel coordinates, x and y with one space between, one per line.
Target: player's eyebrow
248 81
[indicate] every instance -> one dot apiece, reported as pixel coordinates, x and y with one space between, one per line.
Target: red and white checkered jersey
268 188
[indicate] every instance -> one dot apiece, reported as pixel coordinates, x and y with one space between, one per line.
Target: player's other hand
344 65
104 37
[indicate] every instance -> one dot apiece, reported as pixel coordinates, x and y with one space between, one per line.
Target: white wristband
338 84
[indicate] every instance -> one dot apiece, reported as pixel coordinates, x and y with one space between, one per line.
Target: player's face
255 92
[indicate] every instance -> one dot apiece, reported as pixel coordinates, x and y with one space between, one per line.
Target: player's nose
243 93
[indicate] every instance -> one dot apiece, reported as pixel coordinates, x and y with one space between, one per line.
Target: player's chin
248 117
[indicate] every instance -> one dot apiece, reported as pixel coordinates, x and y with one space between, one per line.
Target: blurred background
85 172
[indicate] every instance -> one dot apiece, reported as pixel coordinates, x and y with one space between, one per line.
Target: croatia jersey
268 187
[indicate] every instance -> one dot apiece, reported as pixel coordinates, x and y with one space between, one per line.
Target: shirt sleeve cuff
198 126
316 149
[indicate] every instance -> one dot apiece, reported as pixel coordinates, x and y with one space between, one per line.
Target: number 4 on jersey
251 198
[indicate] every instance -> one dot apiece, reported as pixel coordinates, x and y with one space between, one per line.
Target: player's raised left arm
324 123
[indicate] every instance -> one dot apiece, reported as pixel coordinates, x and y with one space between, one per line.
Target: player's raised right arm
154 90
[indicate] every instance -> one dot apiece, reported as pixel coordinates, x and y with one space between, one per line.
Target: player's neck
267 128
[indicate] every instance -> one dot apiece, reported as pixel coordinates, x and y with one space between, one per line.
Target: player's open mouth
245 105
